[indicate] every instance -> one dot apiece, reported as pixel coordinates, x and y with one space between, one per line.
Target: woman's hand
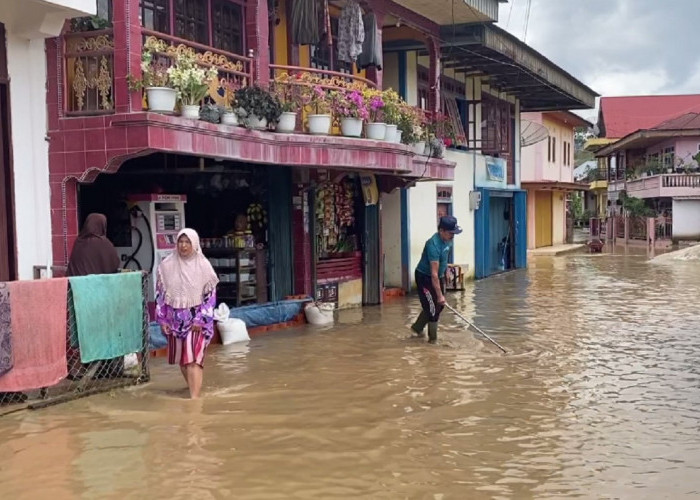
166 329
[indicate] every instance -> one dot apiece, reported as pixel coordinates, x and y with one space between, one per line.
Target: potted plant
191 82
287 93
441 135
155 79
315 97
392 104
257 107
229 116
376 129
351 107
409 128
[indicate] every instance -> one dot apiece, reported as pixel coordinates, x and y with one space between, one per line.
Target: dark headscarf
93 253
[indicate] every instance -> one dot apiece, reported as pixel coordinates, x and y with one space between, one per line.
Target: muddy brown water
597 398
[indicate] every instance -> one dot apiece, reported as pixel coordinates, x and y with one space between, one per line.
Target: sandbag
232 330
319 313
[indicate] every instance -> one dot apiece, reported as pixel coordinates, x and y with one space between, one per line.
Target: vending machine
156 219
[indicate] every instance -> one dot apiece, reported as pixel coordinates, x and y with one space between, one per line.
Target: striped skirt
186 351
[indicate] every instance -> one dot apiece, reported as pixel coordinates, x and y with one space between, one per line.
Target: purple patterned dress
185 346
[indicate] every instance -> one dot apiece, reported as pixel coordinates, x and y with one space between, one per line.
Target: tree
581 135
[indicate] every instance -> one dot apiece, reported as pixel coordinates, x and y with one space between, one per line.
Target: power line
527 19
510 11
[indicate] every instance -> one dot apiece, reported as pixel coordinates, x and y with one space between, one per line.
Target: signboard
495 169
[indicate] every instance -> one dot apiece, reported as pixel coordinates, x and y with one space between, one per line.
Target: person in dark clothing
430 277
93 253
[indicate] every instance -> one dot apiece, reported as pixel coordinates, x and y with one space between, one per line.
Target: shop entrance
7 233
234 207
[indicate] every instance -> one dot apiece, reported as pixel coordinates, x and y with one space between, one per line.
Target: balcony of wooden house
97 120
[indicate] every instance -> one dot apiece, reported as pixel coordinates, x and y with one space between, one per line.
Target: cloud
617 47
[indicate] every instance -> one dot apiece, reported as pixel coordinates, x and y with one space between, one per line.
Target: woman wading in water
185 301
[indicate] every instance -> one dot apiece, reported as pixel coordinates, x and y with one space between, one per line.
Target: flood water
597 398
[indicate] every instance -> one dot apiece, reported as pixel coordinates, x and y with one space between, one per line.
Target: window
155 15
554 149
669 154
104 9
549 149
192 20
498 131
227 29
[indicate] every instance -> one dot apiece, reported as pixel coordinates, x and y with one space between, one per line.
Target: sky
616 47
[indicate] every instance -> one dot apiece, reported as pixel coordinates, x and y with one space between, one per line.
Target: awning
555 186
514 67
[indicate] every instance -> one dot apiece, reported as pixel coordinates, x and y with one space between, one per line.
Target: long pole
475 327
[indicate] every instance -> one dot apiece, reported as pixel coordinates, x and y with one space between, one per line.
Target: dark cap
449 224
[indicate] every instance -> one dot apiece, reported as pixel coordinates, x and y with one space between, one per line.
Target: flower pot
390 135
161 99
397 137
351 127
229 118
190 111
428 150
319 124
256 123
419 147
287 123
376 131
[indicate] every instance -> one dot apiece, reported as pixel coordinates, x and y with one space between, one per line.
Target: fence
86 379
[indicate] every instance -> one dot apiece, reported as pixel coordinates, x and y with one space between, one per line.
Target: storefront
238 210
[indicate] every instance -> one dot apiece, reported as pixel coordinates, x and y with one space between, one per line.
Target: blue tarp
270 313
156 338
252 316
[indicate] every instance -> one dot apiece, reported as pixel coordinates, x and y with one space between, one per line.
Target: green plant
392 107
88 23
409 124
154 69
287 92
211 113
258 101
191 80
636 207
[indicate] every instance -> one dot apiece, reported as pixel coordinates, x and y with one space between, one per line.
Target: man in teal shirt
430 276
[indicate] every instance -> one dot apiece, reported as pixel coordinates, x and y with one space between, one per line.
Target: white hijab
186 280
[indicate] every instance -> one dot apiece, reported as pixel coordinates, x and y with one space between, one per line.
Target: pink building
548 176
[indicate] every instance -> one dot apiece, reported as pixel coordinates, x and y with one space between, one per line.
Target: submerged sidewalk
556 249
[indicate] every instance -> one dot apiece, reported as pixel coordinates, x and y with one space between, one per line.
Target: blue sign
495 168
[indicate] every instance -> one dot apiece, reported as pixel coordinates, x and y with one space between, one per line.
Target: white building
25 221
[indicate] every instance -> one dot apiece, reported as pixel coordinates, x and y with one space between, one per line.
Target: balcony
598 179
665 186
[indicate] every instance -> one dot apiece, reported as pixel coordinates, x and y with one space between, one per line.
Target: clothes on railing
372 47
38 327
351 32
5 330
304 22
109 315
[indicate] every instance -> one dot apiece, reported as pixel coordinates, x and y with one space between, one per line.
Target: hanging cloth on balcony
351 32
305 29
372 47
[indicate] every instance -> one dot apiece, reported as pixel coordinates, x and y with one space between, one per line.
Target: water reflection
596 398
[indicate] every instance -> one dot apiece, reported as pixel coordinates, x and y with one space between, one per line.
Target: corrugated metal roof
621 116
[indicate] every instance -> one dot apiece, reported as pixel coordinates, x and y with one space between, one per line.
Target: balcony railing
235 71
665 185
331 80
691 181
89 65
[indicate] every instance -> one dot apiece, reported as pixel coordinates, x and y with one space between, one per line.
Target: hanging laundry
327 29
38 316
351 32
5 330
108 315
305 29
372 47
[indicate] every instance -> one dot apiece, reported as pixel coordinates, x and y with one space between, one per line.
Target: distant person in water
185 301
430 277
